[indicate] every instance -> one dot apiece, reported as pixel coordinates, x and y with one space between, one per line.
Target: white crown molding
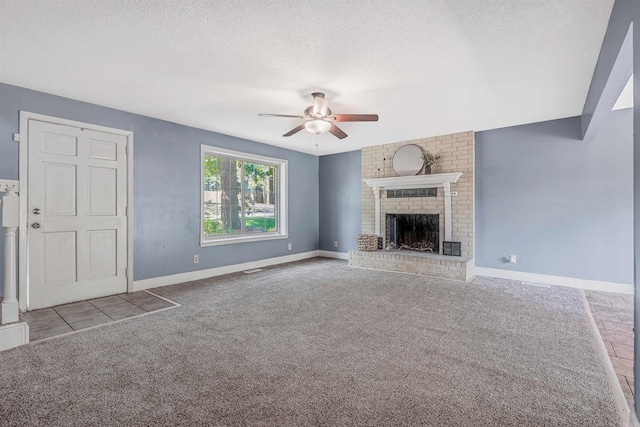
415 181
571 282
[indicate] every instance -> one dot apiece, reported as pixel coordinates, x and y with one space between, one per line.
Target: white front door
77 225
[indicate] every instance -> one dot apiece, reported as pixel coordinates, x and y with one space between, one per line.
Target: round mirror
408 160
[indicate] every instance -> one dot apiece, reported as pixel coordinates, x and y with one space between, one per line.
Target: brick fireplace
447 192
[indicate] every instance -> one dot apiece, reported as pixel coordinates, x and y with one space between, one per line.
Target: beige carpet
319 343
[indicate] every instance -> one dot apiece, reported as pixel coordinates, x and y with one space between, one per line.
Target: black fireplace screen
418 232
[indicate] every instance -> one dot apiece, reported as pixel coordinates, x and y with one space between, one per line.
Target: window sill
241 239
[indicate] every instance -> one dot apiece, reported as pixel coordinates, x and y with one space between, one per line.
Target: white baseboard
13 335
572 282
139 285
331 254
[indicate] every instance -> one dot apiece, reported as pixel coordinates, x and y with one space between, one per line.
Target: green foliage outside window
240 197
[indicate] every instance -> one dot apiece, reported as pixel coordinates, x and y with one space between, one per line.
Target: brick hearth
456 268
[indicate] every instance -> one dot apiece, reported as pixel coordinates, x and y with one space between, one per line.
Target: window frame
282 213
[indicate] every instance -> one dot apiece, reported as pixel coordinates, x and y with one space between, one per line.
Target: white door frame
23 249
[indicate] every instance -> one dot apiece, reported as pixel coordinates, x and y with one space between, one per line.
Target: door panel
60 189
77 200
59 144
102 253
102 150
59 257
102 191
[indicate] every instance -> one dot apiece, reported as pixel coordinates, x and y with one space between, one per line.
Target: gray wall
618 57
340 200
562 205
166 190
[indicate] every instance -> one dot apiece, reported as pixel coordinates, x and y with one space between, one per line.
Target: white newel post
10 222
447 211
376 194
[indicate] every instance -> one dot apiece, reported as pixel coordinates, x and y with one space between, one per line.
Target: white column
376 194
10 221
447 211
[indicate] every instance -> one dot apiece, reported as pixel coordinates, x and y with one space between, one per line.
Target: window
243 197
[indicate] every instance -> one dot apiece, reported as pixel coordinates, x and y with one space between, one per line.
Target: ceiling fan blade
354 117
337 132
294 130
280 115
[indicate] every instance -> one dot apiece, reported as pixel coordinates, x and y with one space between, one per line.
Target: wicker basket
367 242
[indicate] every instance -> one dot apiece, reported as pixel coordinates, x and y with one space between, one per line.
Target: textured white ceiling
426 67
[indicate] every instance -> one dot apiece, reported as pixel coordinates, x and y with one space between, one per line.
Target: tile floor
49 322
613 314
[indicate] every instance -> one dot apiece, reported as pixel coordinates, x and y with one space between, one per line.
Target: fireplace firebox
416 232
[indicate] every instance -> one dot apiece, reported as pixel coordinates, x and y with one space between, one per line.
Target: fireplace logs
415 232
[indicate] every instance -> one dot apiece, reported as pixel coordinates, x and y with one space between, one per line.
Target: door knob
35 225
36 211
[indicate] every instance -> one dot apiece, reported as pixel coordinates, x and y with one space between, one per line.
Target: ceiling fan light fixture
320 106
317 126
320 119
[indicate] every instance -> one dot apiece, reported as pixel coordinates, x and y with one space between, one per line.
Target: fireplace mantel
415 181
435 180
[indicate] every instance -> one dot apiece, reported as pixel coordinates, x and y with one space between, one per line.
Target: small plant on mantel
429 159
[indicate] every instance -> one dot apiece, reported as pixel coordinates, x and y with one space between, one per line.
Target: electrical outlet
289 246
512 259
335 243
196 259
454 193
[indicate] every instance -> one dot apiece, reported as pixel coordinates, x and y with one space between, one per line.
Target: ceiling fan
319 118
